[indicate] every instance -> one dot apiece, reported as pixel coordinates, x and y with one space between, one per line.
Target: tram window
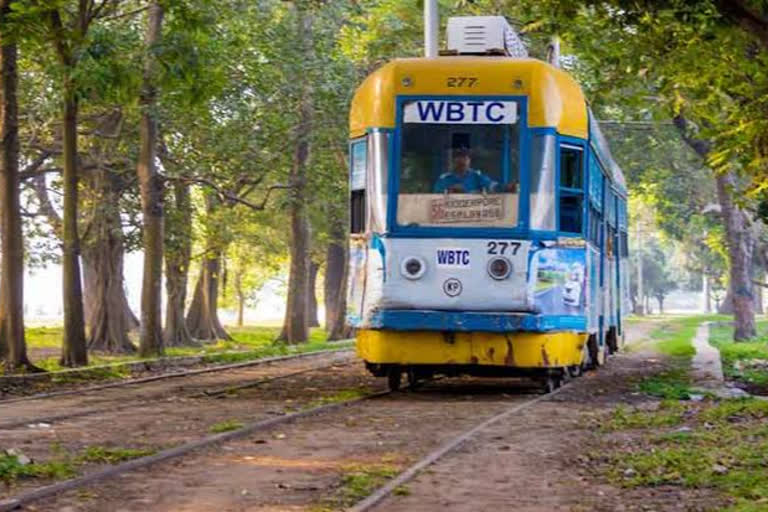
570 213
624 247
357 211
595 220
610 238
570 167
542 203
571 192
458 174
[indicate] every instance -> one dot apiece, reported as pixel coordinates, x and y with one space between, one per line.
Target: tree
67 40
13 348
151 186
178 254
203 315
295 327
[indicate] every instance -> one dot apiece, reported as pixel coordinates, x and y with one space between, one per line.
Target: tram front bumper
513 349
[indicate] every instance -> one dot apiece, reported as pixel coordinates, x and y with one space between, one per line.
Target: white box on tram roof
472 35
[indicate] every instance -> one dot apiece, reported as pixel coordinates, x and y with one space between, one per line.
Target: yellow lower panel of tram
520 349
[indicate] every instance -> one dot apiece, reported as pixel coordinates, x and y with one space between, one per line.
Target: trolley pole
640 295
431 27
553 51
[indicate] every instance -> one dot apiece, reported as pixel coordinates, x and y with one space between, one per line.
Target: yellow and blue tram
488 221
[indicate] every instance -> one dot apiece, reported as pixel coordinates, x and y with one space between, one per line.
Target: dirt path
539 461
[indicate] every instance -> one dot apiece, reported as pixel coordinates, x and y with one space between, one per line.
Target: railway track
120 403
178 451
172 375
260 425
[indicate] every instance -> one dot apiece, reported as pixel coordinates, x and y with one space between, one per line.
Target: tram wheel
593 350
575 371
415 377
394 377
552 383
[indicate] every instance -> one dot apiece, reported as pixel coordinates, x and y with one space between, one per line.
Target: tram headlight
499 268
413 267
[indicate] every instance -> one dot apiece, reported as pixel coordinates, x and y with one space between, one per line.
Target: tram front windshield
459 164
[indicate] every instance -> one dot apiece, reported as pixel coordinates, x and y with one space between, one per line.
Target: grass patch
723 448
63 464
359 481
106 455
672 384
669 413
225 426
674 336
745 361
340 396
11 469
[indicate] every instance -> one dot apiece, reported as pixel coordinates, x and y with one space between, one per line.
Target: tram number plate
503 248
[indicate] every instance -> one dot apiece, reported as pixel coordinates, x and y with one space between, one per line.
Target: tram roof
554 98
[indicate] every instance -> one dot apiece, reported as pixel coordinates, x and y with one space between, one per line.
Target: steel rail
184 373
411 472
170 453
144 399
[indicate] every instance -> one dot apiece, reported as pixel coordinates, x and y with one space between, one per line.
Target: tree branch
46 206
225 195
700 146
750 20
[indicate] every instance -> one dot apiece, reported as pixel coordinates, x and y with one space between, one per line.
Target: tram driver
464 179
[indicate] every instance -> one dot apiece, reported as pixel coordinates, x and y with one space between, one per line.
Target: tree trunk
336 283
90 285
238 285
13 347
740 248
107 315
151 188
296 324
758 292
725 307
707 294
203 317
312 318
178 252
74 343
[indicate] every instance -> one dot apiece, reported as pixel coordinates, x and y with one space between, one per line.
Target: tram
488 218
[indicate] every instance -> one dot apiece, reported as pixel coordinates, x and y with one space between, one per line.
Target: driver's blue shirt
471 181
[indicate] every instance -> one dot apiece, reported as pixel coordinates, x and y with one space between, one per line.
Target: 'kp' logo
452 287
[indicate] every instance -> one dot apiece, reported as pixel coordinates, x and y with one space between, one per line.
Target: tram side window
624 245
595 219
358 162
571 189
542 182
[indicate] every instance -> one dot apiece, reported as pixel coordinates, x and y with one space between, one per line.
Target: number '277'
461 81
501 247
